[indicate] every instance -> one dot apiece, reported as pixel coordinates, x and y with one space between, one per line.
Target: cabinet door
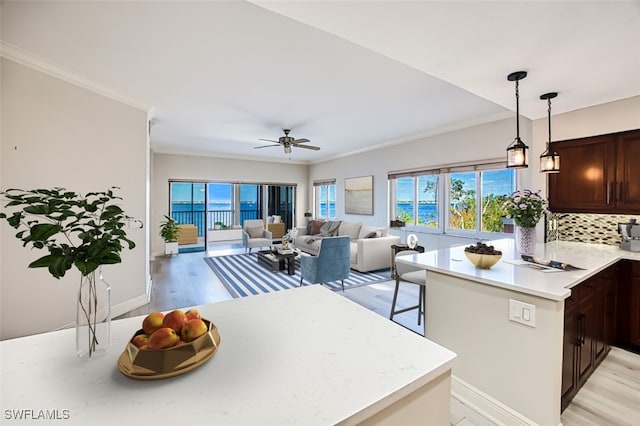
599 302
587 176
610 305
587 326
628 172
634 311
570 352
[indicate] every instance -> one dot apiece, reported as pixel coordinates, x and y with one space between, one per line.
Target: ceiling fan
287 142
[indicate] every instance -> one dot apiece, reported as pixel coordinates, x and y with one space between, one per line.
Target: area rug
243 276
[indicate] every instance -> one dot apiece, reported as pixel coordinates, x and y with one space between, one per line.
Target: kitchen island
511 371
305 356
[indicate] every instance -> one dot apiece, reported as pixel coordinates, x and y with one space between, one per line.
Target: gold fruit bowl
483 261
153 364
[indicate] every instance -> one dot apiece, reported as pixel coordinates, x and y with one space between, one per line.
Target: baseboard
485 405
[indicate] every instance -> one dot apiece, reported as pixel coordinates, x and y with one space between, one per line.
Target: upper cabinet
599 174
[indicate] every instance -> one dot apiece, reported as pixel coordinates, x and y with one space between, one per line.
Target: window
405 193
496 186
473 195
325 199
462 201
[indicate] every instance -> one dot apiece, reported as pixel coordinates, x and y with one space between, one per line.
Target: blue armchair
332 263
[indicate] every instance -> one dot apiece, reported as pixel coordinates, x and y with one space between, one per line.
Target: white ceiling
349 75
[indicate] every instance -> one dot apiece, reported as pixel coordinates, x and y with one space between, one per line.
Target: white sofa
370 245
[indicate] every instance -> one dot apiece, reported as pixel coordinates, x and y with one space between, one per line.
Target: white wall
168 167
57 134
482 142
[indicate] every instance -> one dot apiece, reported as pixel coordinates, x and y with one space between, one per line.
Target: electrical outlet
521 312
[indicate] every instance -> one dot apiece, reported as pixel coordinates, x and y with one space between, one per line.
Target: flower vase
93 316
526 239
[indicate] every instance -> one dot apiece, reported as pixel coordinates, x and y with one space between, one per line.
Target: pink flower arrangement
525 207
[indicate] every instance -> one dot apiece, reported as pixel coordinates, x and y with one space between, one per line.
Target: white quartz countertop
505 274
297 357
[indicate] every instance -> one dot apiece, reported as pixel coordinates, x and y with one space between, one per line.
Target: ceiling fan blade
302 140
269 140
315 148
265 146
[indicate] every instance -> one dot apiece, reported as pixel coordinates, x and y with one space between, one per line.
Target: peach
152 322
193 314
174 319
162 338
193 329
140 340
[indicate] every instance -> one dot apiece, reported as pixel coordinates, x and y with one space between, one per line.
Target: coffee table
278 261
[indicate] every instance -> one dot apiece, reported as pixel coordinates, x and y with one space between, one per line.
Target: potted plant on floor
169 233
85 231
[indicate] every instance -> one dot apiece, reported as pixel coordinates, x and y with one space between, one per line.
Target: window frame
444 175
318 187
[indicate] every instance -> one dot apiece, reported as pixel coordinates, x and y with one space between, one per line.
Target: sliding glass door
187 206
214 206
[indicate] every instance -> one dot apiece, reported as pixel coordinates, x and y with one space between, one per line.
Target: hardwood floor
610 397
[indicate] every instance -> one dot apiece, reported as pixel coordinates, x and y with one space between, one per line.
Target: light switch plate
521 312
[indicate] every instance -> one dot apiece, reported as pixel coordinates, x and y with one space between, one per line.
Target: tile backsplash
585 227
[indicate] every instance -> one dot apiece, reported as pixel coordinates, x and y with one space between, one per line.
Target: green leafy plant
525 207
221 225
82 231
169 230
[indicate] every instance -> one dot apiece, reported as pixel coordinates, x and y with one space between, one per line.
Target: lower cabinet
628 326
590 318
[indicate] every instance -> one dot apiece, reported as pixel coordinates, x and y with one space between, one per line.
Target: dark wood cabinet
570 347
589 329
598 174
628 327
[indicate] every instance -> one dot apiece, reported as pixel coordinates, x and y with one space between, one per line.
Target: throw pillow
330 228
315 226
255 232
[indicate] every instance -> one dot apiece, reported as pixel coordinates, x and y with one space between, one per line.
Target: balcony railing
224 217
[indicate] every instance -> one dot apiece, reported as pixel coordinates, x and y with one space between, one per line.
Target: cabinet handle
609 192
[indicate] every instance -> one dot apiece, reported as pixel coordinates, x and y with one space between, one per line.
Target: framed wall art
358 195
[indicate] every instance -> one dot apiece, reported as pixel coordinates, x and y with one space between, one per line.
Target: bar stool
412 275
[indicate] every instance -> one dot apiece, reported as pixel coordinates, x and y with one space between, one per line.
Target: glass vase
526 240
93 316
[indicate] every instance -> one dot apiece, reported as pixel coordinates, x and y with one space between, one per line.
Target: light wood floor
610 397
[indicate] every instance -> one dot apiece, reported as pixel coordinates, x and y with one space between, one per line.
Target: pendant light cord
517 110
549 120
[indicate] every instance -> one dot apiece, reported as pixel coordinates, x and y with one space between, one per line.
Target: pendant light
549 160
517 151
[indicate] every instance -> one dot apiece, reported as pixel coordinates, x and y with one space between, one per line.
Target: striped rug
243 276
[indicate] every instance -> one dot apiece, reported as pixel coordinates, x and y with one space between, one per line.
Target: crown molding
20 56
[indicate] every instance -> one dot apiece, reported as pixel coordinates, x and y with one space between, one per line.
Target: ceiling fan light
287 149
